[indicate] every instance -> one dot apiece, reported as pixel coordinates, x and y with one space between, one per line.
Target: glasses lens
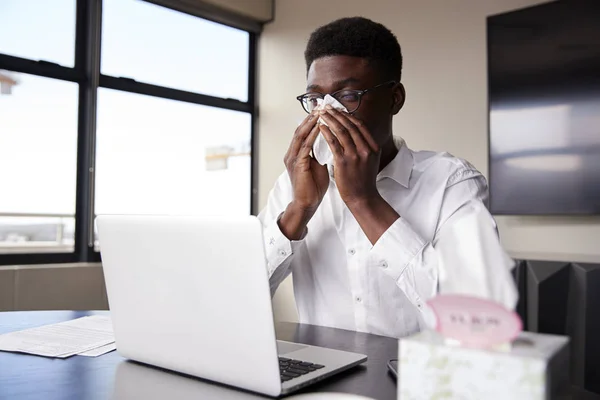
349 99
310 101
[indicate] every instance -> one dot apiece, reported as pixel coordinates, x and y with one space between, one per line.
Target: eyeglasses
349 98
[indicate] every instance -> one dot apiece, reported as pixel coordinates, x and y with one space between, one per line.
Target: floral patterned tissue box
535 366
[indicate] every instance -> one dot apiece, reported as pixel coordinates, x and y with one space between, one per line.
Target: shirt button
384 264
283 252
419 302
358 299
352 252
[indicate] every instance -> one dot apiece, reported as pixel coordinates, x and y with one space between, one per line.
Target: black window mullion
89 19
37 258
252 77
133 86
39 68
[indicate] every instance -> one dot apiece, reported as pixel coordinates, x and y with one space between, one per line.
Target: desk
110 376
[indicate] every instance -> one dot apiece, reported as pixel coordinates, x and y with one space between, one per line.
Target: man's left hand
356 156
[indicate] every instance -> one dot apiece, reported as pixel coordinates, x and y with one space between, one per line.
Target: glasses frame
359 93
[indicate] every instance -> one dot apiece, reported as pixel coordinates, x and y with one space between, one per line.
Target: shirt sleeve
279 249
408 259
411 260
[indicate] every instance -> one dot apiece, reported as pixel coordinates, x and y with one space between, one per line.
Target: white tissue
321 151
471 260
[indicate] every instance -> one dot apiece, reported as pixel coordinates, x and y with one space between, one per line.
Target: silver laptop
191 294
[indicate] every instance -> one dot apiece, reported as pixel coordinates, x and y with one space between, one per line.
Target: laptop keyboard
290 369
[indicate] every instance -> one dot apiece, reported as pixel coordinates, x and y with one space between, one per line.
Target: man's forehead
320 85
338 71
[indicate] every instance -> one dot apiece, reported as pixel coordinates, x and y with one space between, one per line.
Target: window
47 34
159 156
153 44
167 129
38 158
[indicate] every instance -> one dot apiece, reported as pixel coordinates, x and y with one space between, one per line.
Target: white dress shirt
340 279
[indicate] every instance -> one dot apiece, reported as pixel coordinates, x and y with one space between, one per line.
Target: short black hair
357 37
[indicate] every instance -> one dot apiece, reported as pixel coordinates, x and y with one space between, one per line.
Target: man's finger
355 133
302 132
334 143
360 125
340 131
307 145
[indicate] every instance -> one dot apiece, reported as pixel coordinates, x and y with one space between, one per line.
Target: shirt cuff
396 249
277 246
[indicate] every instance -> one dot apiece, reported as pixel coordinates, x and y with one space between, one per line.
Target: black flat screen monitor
544 109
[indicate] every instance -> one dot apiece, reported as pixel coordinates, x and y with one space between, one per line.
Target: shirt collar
400 168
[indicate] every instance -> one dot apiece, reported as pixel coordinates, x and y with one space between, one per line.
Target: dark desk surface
109 376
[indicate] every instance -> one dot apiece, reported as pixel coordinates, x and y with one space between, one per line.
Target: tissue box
536 366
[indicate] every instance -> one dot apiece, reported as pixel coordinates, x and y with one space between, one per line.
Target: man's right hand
310 180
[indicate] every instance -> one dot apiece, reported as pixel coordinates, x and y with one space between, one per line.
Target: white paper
61 340
321 151
99 351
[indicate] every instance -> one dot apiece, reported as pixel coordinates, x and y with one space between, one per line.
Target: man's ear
399 97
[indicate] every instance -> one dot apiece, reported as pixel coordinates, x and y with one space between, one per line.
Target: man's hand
356 157
310 180
356 165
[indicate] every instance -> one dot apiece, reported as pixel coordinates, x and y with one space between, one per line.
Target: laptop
191 294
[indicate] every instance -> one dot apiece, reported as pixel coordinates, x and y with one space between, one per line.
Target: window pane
38 30
158 156
38 160
160 46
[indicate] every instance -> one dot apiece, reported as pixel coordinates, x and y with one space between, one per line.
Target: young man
360 236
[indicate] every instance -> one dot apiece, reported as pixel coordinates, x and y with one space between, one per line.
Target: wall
260 10
444 48
52 287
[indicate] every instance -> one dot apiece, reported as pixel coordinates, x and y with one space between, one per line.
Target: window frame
86 73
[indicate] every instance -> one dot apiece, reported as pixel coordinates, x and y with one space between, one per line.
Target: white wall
444 48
